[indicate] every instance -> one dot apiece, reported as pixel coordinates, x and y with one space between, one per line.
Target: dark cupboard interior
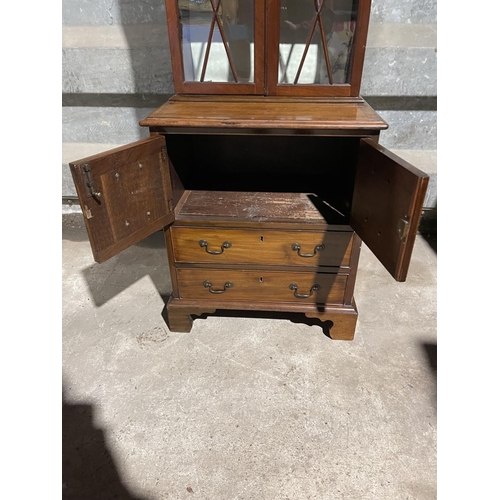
322 167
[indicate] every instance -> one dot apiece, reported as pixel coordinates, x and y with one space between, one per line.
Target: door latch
89 182
403 228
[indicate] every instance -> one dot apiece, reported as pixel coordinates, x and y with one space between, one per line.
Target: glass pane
217 48
306 36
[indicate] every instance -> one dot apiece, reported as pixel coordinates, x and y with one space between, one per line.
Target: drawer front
244 285
247 246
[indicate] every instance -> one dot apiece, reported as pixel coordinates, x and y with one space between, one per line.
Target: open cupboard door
125 195
387 204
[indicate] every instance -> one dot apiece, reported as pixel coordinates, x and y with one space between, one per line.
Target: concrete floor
243 408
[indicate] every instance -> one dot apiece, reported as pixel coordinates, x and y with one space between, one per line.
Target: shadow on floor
88 469
428 228
431 239
431 353
430 350
147 258
105 281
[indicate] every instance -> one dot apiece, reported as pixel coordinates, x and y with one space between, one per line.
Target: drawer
269 286
249 246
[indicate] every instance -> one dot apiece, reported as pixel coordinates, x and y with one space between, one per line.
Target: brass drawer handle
208 284
317 248
204 244
294 287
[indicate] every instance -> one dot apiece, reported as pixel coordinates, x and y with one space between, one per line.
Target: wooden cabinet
264 199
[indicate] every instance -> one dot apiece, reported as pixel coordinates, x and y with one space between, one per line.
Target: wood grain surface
264 114
249 207
262 247
135 194
387 190
265 286
180 313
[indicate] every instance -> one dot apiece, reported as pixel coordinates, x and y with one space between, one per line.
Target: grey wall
116 69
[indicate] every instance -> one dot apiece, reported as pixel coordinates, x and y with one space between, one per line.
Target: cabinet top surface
264 113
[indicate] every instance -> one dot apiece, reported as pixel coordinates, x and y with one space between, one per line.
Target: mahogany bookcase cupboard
264 169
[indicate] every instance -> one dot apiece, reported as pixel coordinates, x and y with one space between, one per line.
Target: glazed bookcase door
387 204
315 48
125 195
217 46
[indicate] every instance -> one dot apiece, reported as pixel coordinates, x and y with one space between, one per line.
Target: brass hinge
403 228
170 205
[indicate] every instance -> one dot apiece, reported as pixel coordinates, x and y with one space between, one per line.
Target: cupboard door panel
387 204
125 195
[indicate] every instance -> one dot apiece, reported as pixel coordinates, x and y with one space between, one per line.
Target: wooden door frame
192 87
314 90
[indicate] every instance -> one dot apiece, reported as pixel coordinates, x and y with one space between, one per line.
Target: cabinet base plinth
344 321
180 312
